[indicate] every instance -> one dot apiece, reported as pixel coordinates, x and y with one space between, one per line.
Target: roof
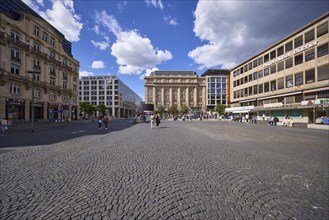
14 8
170 73
216 72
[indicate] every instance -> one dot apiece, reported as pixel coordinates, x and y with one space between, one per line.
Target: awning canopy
316 90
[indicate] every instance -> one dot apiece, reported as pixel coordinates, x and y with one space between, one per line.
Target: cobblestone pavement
183 170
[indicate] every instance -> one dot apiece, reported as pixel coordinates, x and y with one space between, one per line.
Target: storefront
15 110
38 111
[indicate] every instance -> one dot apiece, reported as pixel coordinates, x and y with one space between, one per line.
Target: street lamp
33 76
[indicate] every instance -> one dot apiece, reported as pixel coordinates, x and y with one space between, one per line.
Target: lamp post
32 110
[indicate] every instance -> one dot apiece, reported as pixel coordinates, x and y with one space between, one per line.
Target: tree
86 107
184 110
102 108
220 108
173 110
160 110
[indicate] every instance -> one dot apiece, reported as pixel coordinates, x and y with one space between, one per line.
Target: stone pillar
179 101
59 112
45 111
195 96
187 91
170 96
162 96
27 110
154 96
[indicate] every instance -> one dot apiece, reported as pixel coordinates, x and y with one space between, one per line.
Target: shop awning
316 90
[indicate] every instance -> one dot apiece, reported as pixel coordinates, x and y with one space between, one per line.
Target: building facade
180 89
33 49
290 78
119 99
217 87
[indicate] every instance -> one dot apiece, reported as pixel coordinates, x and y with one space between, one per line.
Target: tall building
32 48
217 87
290 78
119 99
176 88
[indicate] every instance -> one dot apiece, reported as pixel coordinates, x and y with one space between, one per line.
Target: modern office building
290 78
176 88
119 99
217 87
32 48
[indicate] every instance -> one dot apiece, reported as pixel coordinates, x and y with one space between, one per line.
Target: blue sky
131 39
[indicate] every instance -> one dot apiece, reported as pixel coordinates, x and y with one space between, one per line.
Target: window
266 71
254 76
255 89
52 81
15 54
289 81
260 74
266 87
266 58
322 50
323 72
322 29
52 70
310 76
254 63
36 47
45 37
36 63
15 69
273 69
36 76
273 54
309 36
64 85
280 83
52 42
15 36
36 31
299 79
52 96
37 93
260 61
309 55
260 88
65 76
280 66
298 41
52 55
273 85
280 51
15 88
298 59
288 63
288 46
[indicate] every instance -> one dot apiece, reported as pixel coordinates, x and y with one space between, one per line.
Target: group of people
155 121
102 120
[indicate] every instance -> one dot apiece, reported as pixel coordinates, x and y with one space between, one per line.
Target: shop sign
321 101
307 102
290 53
271 105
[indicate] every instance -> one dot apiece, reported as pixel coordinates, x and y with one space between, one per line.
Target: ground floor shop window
15 109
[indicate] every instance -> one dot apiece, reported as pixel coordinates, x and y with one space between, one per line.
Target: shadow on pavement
57 133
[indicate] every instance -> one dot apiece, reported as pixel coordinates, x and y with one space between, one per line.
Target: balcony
36 67
17 59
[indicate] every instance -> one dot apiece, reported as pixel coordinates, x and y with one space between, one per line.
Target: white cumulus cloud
62 16
85 73
134 53
233 31
100 45
170 20
97 64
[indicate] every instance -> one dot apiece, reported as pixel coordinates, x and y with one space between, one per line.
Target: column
60 113
162 96
187 96
170 97
27 109
154 96
195 96
45 110
179 101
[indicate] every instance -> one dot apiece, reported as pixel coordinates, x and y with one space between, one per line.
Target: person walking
157 120
152 118
4 124
100 122
106 120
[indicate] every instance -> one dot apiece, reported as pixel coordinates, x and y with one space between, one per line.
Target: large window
298 41
273 85
36 31
15 69
289 63
323 72
15 54
273 69
309 55
273 54
322 50
266 87
280 83
15 35
260 88
266 71
280 66
289 81
309 36
310 76
322 29
298 59
280 51
288 46
299 79
15 88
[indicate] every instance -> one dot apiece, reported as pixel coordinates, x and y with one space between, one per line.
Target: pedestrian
4 124
106 120
157 120
100 122
152 118
247 118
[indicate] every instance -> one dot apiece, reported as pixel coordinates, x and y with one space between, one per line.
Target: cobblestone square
182 170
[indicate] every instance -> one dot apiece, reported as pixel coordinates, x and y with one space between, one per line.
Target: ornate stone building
31 47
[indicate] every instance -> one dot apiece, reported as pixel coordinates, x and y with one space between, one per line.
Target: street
182 170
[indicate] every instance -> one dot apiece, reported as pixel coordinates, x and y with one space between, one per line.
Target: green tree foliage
173 110
160 110
184 110
220 108
102 108
86 107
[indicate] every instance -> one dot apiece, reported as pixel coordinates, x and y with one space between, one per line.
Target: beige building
176 88
30 44
290 78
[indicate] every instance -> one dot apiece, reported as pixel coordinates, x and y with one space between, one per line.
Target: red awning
316 90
